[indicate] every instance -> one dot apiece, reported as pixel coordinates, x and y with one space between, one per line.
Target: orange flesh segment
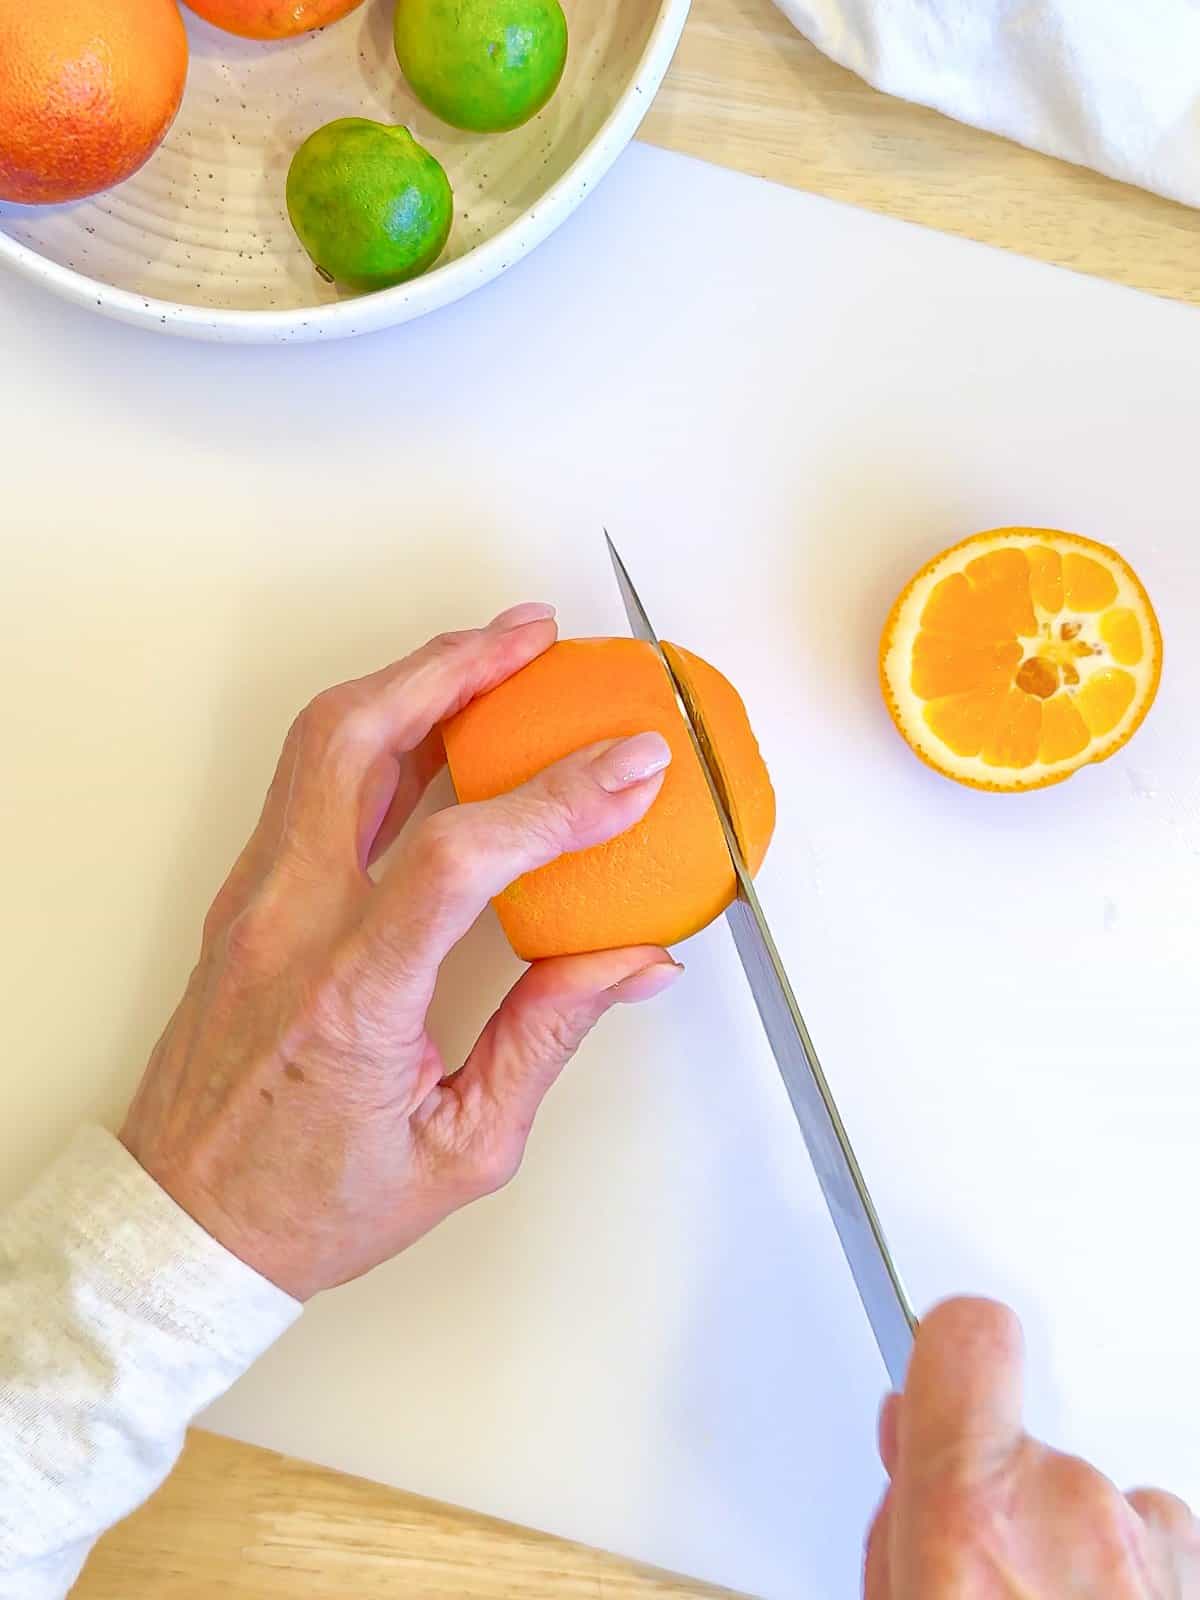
1001 584
1122 633
965 721
1064 732
1105 698
1014 739
1045 578
1087 586
945 663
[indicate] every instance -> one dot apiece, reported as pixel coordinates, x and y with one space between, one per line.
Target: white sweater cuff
120 1320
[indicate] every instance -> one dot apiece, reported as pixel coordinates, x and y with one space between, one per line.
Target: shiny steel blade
854 1216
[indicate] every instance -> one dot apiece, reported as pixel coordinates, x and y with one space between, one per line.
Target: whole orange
669 876
88 88
271 19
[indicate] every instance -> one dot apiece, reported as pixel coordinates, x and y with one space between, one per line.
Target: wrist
263 1248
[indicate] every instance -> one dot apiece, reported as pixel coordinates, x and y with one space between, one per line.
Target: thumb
962 1398
542 1022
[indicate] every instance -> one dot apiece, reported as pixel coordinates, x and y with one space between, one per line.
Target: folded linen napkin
1109 84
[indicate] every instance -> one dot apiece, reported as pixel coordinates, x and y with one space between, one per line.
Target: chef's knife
879 1286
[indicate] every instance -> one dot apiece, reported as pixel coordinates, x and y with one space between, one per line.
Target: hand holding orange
670 875
1017 657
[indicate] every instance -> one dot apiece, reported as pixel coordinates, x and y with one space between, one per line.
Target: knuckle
355 727
1163 1510
324 713
335 735
555 813
489 1138
559 791
497 1166
249 938
552 1036
1086 1502
1081 1487
441 846
216 920
452 643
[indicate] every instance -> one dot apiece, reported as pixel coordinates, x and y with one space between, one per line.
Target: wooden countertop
748 92
247 1524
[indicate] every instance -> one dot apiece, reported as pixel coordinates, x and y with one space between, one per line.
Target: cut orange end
1018 656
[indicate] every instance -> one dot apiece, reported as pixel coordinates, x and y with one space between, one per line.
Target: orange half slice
1017 657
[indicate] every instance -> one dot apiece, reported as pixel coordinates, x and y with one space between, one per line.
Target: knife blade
843 1186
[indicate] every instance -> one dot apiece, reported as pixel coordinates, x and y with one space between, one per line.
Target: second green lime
482 65
371 206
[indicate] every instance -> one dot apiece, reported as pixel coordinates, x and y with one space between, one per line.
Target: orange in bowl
671 874
88 88
271 19
1019 656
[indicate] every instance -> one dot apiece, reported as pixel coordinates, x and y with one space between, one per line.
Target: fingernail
520 616
646 984
631 761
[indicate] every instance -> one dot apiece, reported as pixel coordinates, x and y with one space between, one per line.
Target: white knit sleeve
120 1319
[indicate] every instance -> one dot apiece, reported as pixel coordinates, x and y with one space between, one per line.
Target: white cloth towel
1109 84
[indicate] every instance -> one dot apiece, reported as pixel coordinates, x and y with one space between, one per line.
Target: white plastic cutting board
780 408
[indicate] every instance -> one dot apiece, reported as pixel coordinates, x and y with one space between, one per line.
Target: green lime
371 206
483 65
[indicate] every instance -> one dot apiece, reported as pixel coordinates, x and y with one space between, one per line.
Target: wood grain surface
745 91
247 1524
748 92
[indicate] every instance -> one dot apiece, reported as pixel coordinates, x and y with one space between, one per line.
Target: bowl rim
385 307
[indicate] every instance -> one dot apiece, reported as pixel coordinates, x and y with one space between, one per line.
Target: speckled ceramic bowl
198 243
